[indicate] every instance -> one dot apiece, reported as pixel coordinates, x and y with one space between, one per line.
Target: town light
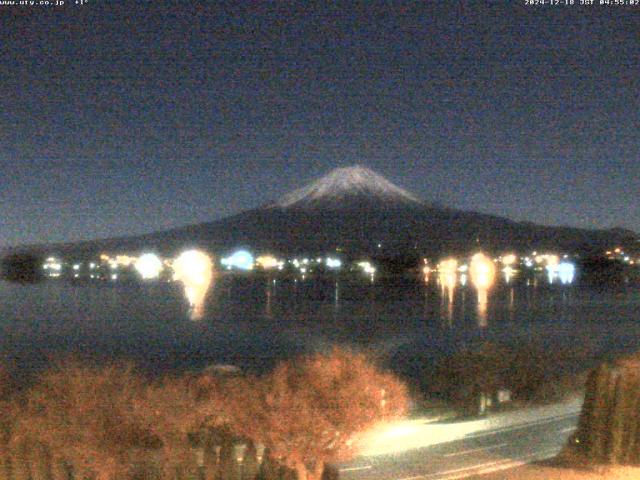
509 272
367 267
52 264
148 266
447 266
509 259
333 262
125 260
267 261
241 260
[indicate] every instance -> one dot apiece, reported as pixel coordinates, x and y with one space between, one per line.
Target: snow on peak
343 184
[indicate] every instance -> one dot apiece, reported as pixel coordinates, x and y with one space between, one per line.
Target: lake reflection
254 320
195 270
482 271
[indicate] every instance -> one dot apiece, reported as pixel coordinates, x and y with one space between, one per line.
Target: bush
79 421
531 372
86 417
308 410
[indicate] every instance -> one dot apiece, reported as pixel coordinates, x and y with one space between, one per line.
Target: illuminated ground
540 472
415 450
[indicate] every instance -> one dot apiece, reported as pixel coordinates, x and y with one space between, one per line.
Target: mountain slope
356 210
343 187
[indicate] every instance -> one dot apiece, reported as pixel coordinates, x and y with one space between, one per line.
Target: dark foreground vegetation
609 427
531 372
79 422
21 268
607 441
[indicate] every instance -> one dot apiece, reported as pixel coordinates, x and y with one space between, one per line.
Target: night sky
124 117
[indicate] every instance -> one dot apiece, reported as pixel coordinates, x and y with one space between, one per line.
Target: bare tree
177 410
86 418
308 411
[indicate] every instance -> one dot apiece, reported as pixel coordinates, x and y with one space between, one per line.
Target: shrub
309 410
85 417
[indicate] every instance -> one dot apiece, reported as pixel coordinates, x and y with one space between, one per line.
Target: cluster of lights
619 254
269 262
53 267
509 259
448 266
564 271
150 266
482 269
241 260
547 259
306 264
333 263
540 261
367 267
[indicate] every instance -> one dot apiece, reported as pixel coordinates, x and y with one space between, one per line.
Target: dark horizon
125 118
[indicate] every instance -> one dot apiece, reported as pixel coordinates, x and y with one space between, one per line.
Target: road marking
458 473
454 470
474 450
504 464
353 469
568 429
521 426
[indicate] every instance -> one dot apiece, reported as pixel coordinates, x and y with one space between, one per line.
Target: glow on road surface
404 435
411 434
421 449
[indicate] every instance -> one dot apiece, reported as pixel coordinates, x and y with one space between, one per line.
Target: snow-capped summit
348 185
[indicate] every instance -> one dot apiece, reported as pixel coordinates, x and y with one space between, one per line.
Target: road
416 450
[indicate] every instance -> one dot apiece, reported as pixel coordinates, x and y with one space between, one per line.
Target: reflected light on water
508 273
268 306
448 282
511 302
482 271
448 265
552 273
566 271
426 270
447 277
195 270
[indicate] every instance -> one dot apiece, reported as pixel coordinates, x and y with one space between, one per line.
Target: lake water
254 321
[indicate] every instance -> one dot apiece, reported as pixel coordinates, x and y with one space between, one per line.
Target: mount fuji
359 212
346 187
